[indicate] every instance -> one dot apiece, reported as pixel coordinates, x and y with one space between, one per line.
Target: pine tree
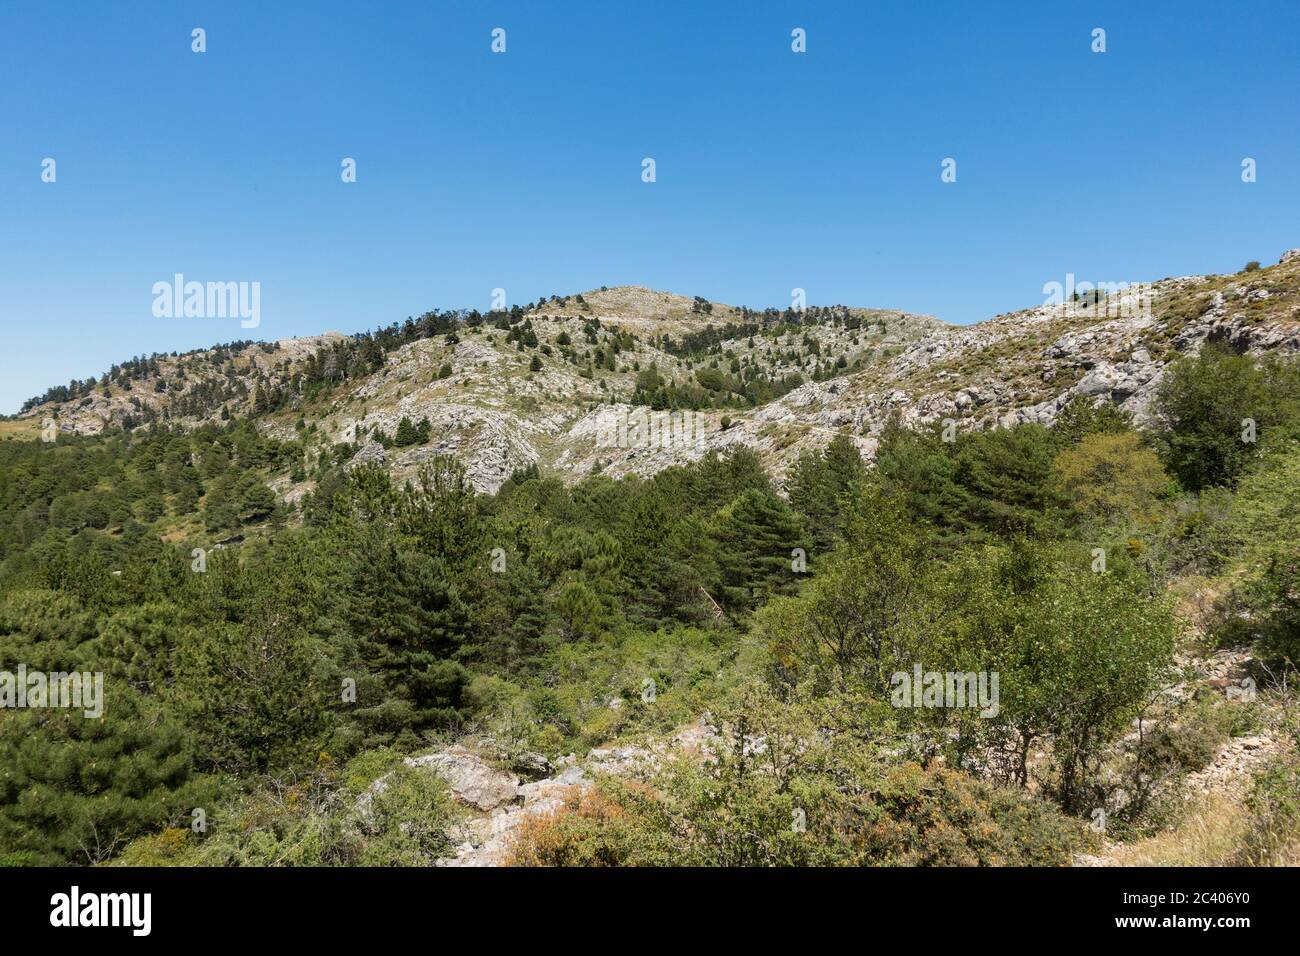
818 487
409 622
247 687
509 617
757 534
256 502
76 789
406 433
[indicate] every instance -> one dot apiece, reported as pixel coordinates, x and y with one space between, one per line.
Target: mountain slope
568 383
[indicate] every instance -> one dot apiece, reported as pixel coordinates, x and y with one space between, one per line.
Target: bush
590 828
1188 744
1272 598
407 822
1111 478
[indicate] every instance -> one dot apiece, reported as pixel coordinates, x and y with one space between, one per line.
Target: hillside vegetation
348 594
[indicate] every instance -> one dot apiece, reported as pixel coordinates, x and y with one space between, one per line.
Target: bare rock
472 780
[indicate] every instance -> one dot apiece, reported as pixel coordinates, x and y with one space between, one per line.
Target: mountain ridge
570 383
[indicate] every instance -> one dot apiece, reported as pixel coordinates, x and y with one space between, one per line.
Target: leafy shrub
1188 744
1273 597
590 828
1205 403
1111 478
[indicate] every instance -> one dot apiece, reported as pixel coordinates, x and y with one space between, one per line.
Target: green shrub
1273 598
318 819
1189 743
1207 403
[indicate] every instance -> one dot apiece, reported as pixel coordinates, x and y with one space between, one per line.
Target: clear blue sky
522 170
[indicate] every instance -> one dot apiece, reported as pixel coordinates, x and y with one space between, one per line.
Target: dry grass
1210 833
22 429
1222 828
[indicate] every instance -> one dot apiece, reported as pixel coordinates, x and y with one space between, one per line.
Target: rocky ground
500 801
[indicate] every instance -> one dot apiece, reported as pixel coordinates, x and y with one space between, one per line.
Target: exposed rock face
369 453
472 780
486 841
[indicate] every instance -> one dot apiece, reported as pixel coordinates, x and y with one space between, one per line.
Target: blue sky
523 170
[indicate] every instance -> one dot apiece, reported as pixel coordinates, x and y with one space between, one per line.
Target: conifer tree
819 484
76 789
757 534
409 623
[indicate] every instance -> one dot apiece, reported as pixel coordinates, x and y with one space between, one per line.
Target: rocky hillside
571 383
500 805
